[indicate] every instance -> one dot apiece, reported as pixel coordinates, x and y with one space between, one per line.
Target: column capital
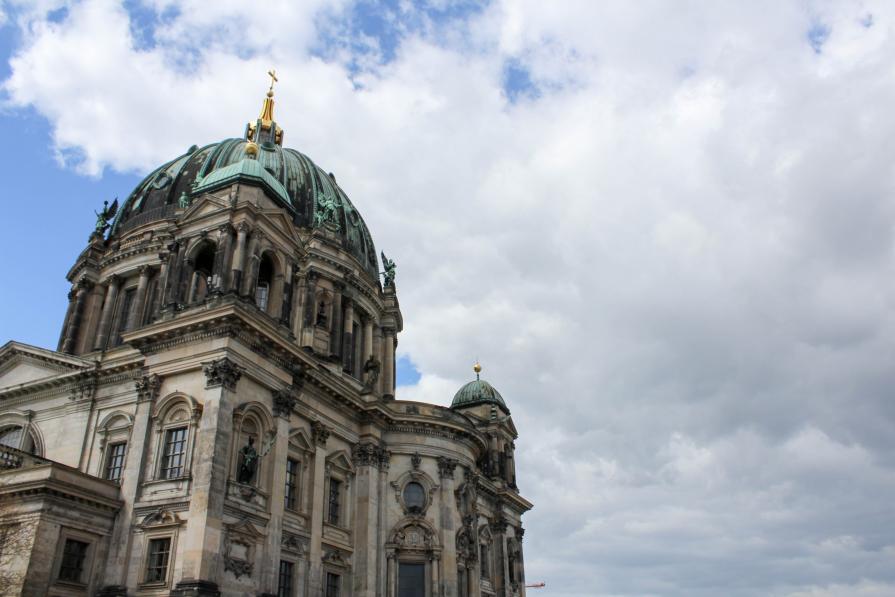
284 400
320 432
222 373
148 387
144 269
243 227
446 467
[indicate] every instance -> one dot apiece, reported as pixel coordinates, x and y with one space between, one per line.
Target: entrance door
411 579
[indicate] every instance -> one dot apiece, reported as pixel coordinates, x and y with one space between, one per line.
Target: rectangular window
174 455
333 584
335 489
115 461
157 563
411 579
292 468
73 556
485 557
286 572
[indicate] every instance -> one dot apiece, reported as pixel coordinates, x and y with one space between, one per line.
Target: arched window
15 436
265 280
175 421
203 281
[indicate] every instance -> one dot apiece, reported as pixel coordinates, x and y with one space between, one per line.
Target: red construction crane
537 585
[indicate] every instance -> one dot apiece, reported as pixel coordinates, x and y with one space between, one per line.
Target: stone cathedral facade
219 417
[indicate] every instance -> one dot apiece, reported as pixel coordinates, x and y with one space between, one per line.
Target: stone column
499 535
283 402
74 326
298 284
113 285
218 282
377 348
116 570
368 339
392 574
448 523
286 300
388 365
159 294
242 231
318 508
307 332
251 264
347 337
204 533
71 307
520 565
136 315
366 456
434 564
172 283
335 336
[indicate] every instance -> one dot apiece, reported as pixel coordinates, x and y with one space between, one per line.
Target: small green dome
476 392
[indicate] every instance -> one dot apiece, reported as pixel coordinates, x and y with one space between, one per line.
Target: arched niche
18 431
202 255
413 553
253 437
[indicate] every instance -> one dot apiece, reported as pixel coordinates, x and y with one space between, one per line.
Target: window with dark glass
411 579
333 584
485 557
284 589
335 498
74 554
127 302
157 563
204 265
414 496
262 287
115 461
291 484
174 453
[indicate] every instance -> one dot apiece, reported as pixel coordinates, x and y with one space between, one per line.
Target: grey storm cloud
673 250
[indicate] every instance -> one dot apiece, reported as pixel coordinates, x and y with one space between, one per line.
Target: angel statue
326 211
389 274
103 217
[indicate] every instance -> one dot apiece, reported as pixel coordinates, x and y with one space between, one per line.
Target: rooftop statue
102 217
389 274
326 211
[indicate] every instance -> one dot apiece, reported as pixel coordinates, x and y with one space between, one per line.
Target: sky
666 229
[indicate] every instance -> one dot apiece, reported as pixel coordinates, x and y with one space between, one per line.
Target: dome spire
477 368
255 131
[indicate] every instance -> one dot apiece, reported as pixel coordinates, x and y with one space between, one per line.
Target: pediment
23 364
204 205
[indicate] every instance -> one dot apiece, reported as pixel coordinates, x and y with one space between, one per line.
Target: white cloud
675 262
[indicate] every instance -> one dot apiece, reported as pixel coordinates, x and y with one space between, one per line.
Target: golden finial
266 117
477 368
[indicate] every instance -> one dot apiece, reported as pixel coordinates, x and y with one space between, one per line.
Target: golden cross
273 78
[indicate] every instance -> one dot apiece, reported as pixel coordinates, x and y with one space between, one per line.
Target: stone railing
11 458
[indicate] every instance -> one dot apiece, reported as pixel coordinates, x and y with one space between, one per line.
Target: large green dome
476 392
289 177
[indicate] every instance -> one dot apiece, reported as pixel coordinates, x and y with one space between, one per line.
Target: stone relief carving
320 432
222 372
284 401
369 454
416 460
446 467
148 387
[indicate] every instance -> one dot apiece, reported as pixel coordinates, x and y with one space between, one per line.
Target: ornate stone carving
148 387
446 467
284 401
416 460
335 558
159 518
320 432
367 454
294 543
384 459
222 372
238 567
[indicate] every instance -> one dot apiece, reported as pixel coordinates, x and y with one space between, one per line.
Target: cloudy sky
665 228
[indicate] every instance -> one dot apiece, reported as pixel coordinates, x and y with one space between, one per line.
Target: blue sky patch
517 82
406 372
817 36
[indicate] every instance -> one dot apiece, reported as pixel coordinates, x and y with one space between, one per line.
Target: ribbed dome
478 391
289 177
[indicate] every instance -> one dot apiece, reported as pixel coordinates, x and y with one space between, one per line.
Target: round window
414 496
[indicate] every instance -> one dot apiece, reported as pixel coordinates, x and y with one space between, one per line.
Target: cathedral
219 417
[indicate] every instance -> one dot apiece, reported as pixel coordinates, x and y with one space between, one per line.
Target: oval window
414 496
